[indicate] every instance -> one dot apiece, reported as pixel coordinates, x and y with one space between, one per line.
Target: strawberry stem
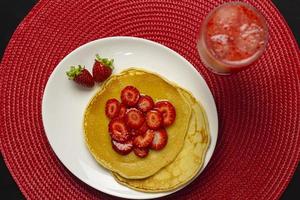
74 71
107 62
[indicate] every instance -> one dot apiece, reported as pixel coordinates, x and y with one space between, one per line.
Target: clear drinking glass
232 36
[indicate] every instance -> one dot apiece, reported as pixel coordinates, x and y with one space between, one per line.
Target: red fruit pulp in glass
233 36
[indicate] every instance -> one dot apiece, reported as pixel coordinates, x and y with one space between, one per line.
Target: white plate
64 103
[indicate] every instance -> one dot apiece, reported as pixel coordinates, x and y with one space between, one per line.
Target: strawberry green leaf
107 62
74 72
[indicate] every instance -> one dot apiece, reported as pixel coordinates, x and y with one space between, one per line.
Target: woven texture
259 138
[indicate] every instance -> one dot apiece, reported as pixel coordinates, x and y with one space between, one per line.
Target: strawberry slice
118 130
160 139
154 119
145 103
134 132
140 131
141 152
143 129
168 112
112 108
134 118
122 111
145 140
130 96
122 148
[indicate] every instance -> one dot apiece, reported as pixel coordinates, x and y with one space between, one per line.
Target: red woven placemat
259 140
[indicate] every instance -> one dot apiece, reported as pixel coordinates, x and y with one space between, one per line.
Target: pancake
188 162
96 124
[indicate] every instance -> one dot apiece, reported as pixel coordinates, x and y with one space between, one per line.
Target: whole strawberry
81 76
102 68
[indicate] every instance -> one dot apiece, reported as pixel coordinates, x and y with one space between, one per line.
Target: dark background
13 11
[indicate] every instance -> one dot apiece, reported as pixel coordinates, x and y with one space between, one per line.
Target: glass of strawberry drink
232 36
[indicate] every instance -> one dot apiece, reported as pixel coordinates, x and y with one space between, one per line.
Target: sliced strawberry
134 132
81 76
141 152
122 111
130 96
168 112
112 108
134 118
145 103
143 129
154 119
118 130
139 131
160 139
122 148
145 140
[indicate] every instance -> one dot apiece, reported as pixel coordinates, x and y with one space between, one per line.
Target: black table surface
13 11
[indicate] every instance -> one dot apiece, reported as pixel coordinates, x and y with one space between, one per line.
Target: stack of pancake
165 170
